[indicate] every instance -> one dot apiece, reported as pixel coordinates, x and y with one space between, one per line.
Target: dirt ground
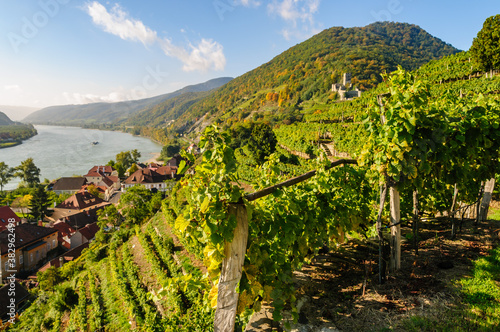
339 290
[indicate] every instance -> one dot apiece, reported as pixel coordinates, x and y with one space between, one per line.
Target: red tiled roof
147 175
167 170
64 232
79 220
6 213
89 231
107 181
26 234
63 228
113 178
102 169
80 201
93 174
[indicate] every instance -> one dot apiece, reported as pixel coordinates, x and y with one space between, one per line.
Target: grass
494 214
479 308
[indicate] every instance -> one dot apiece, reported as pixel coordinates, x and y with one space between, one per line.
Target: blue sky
57 52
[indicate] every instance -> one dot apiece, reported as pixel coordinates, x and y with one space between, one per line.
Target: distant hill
4 120
110 112
306 72
17 113
13 133
169 110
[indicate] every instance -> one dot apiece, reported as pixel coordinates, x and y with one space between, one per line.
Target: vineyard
237 237
341 123
139 285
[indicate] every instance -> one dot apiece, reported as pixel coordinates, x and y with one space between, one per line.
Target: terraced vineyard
341 123
145 284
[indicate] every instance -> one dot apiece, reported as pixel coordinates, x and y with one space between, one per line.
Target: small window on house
37 254
6 266
31 257
21 259
48 246
53 243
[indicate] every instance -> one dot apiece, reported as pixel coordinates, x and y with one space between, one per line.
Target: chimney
40 223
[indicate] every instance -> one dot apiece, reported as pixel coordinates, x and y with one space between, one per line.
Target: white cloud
118 23
113 97
12 88
208 54
299 14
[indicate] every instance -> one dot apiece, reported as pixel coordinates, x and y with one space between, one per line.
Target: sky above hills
57 52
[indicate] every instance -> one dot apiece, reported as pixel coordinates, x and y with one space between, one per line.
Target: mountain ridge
306 71
111 112
5 120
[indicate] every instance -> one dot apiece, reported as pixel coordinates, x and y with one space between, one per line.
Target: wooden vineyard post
395 262
232 265
485 202
478 205
381 262
415 221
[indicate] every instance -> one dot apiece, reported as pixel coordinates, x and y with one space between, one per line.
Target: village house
7 214
68 185
84 223
84 235
76 204
152 179
66 257
64 231
31 245
105 177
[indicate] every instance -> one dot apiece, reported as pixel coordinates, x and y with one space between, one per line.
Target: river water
68 151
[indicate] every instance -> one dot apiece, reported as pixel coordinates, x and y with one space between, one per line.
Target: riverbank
66 151
4 145
154 158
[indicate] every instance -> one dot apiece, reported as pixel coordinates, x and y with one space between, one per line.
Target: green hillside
163 273
109 113
5 120
305 73
13 133
143 277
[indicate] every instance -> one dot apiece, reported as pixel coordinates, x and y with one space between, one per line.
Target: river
68 151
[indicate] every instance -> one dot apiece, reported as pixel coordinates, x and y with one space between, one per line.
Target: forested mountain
307 71
299 78
161 114
5 120
12 133
111 112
